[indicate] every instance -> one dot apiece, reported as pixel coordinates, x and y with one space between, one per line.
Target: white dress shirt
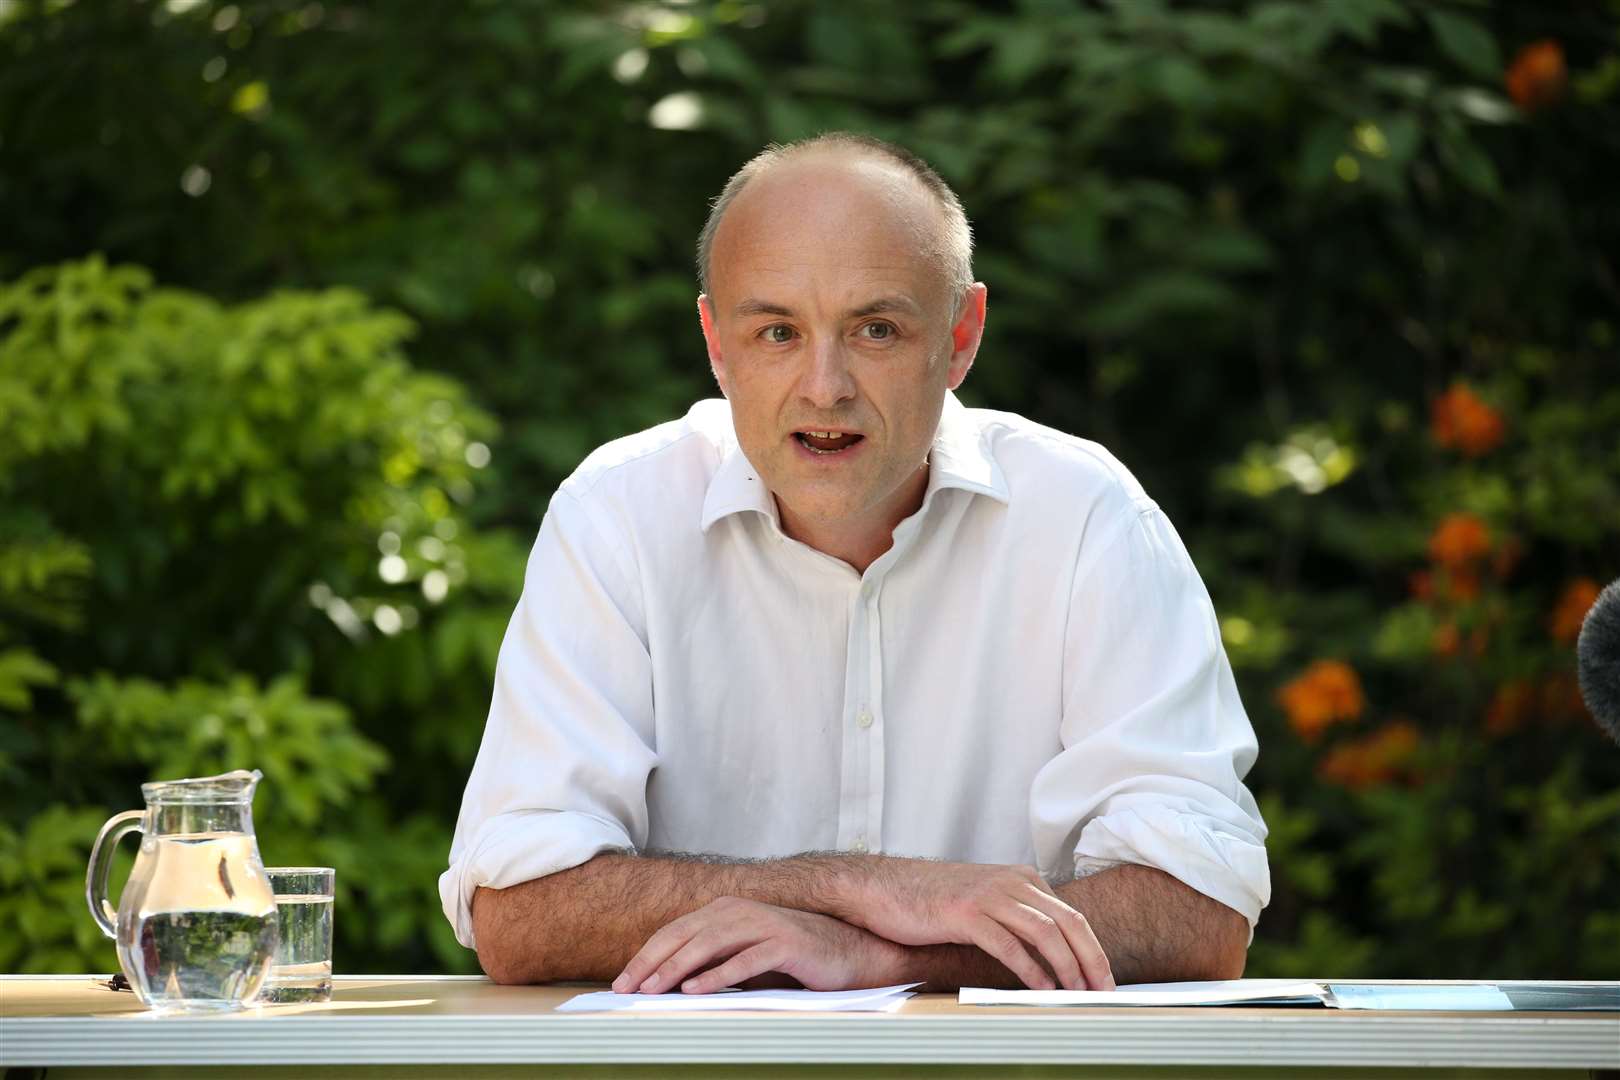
1031 674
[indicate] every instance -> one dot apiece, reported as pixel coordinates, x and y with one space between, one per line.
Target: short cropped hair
955 250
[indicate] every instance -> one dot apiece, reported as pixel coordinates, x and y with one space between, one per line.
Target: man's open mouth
826 442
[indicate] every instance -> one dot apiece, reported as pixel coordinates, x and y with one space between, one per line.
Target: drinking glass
303 966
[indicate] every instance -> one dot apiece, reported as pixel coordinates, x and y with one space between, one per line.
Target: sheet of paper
1450 997
1228 992
881 999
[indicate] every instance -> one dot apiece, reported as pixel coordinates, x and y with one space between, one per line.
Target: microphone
1597 653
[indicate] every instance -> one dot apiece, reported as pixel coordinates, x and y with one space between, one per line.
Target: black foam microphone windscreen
1597 653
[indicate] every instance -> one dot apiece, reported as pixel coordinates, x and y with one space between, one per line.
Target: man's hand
743 939
1003 910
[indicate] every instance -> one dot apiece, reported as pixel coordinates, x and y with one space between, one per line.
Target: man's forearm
587 922
1153 928
1157 929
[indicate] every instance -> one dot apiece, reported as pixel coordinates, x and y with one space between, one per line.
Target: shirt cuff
520 846
1201 852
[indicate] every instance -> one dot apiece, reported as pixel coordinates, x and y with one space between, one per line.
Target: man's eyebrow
761 307
886 304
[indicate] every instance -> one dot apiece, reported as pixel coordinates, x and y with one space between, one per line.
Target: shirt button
858 847
865 719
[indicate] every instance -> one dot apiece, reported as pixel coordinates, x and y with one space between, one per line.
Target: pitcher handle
95 877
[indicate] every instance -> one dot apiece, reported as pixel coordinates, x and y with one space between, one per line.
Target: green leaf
1483 106
1403 136
1466 42
1227 248
1184 83
1469 163
1018 51
20 671
1164 293
1322 146
1362 19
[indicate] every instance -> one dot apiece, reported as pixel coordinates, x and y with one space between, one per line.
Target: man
838 615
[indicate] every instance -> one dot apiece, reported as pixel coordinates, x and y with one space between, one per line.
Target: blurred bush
205 506
1338 281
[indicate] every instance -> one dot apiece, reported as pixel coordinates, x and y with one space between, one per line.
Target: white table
469 1027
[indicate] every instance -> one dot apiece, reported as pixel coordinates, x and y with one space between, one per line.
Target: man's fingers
660 947
1000 943
1099 973
696 954
754 960
1043 932
1083 944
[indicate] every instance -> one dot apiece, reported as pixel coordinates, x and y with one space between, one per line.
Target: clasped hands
1008 912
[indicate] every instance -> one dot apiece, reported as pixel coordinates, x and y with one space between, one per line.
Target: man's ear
967 333
711 338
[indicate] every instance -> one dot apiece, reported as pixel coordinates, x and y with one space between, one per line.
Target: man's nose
827 382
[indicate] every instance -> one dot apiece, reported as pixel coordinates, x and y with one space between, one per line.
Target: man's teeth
804 438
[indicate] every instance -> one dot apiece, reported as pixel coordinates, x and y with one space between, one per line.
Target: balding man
839 682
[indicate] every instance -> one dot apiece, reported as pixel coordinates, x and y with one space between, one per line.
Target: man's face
827 315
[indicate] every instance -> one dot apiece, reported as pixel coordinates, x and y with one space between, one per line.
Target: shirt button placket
855 801
866 720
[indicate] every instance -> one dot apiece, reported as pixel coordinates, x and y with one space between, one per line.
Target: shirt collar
957 459
735 487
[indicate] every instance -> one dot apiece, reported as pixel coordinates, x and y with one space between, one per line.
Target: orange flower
1375 759
1508 554
1446 640
1461 586
1458 540
1421 582
1460 421
1538 75
1327 692
1510 706
1567 615
1560 700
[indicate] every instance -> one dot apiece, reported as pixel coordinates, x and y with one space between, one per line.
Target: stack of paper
1232 992
1387 994
881 999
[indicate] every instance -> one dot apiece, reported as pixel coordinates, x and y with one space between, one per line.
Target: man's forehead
817 183
824 283
865 220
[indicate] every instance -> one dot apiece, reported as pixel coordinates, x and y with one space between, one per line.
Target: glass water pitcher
196 925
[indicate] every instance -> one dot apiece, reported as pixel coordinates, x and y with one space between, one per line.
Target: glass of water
303 966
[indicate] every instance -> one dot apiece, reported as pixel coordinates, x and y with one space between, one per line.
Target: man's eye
879 331
777 334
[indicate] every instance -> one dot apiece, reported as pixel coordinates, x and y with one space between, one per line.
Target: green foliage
43 923
1335 279
179 571
309 745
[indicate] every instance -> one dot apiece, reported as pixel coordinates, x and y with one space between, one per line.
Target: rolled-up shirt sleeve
1155 740
562 772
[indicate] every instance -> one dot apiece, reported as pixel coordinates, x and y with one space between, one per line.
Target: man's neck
859 542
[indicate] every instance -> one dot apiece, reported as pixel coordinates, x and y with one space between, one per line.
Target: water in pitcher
204 933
